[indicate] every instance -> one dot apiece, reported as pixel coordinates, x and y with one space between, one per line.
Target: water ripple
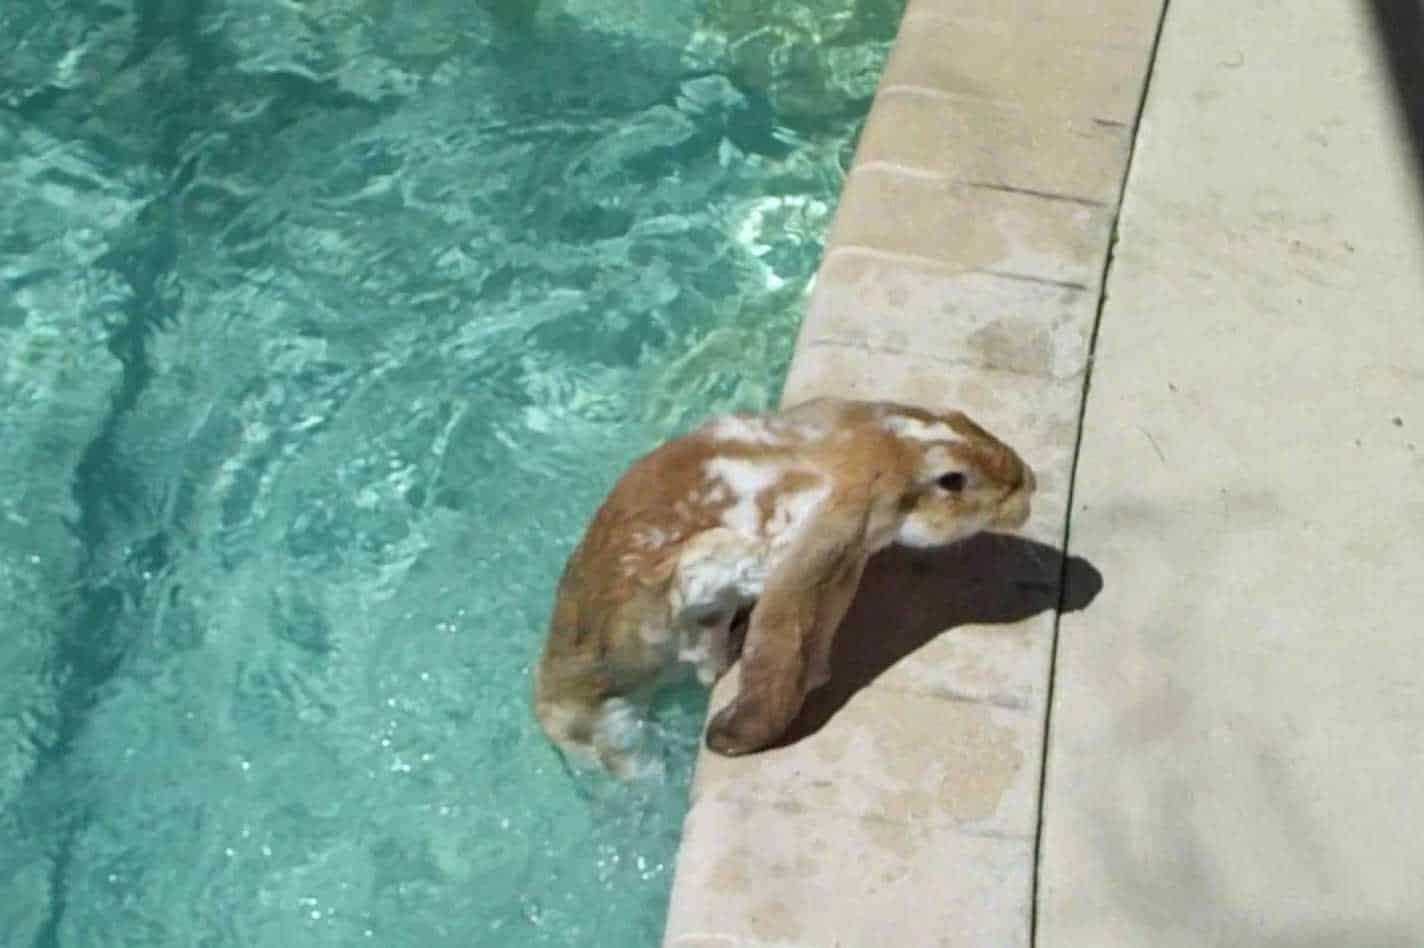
324 327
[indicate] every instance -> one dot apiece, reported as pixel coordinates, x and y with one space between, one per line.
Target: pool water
324 326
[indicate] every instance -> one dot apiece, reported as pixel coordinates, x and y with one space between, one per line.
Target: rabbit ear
787 650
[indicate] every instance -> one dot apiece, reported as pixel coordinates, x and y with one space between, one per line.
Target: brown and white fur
757 525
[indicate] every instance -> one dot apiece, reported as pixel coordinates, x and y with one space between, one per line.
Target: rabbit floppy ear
788 644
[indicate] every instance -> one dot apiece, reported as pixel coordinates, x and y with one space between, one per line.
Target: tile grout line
939 266
904 170
1035 880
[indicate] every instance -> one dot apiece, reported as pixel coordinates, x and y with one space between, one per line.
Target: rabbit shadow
908 597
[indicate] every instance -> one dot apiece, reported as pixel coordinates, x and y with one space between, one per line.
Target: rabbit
755 528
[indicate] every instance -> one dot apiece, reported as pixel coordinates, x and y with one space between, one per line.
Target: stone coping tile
997 664
898 757
749 871
980 320
962 227
988 144
1094 23
1025 63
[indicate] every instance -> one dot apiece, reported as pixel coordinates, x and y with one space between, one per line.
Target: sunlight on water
324 327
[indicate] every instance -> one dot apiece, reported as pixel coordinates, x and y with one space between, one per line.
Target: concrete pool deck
1233 660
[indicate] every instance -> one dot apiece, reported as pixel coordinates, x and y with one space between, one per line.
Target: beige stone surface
963 271
1130 23
915 759
963 227
1236 752
1029 63
976 320
754 875
989 143
1003 665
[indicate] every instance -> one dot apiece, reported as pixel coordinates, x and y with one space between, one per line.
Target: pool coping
965 269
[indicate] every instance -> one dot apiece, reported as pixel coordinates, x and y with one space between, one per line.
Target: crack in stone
1063 585
1034 192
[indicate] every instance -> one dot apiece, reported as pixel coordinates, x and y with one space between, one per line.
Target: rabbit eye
953 482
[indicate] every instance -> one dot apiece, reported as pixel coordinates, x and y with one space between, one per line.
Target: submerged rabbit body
754 527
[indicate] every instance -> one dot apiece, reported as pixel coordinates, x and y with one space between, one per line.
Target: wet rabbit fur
754 527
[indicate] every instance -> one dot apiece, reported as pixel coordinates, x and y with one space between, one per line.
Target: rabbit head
966 480
896 474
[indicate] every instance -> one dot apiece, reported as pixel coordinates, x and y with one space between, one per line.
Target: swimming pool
323 328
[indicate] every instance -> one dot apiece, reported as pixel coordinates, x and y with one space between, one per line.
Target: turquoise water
323 328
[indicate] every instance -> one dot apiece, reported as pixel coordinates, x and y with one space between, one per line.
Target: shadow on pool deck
908 597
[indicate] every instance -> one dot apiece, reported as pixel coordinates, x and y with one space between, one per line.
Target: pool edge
964 268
